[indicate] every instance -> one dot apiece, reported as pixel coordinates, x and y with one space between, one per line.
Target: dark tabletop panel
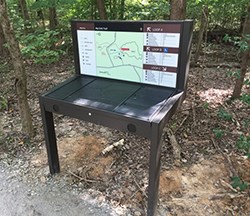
133 99
145 102
70 87
103 94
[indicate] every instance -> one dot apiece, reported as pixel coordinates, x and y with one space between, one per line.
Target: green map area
119 55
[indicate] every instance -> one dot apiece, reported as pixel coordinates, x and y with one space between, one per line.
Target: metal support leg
154 169
50 140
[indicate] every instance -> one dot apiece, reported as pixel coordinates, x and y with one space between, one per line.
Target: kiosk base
129 107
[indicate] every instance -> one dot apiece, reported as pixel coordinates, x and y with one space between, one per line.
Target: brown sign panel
160 49
159 68
85 26
162 28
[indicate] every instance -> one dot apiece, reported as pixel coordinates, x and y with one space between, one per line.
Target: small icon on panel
149 29
165 50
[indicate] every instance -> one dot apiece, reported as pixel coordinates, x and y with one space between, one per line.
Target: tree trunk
24 9
52 15
25 15
52 18
242 21
92 7
242 18
101 9
244 59
40 15
114 11
3 49
203 26
122 9
20 76
177 9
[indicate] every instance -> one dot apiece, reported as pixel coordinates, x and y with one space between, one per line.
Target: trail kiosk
131 76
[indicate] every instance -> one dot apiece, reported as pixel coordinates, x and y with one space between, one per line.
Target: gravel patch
50 199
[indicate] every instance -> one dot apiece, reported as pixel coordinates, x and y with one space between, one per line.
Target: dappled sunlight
214 97
47 78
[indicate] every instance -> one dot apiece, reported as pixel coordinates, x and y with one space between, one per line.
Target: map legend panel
160 58
153 39
151 77
86 48
171 39
170 60
153 58
168 79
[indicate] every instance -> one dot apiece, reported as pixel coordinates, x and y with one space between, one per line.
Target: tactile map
142 52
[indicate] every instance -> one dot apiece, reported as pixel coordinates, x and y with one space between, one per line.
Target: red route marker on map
124 49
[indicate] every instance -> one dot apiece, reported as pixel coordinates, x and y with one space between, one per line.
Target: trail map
144 53
119 55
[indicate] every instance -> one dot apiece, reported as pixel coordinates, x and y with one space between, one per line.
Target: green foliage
218 133
206 105
42 4
40 46
241 42
236 182
3 103
81 9
223 14
244 43
173 126
235 74
15 18
245 98
147 10
246 123
223 114
247 82
244 143
3 67
64 9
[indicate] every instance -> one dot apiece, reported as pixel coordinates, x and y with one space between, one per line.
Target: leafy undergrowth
212 177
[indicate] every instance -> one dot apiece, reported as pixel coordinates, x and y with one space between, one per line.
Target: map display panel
144 52
119 55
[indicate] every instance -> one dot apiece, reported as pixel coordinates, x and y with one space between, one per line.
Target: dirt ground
198 184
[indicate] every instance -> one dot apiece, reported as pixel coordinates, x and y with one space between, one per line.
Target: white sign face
145 53
87 55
